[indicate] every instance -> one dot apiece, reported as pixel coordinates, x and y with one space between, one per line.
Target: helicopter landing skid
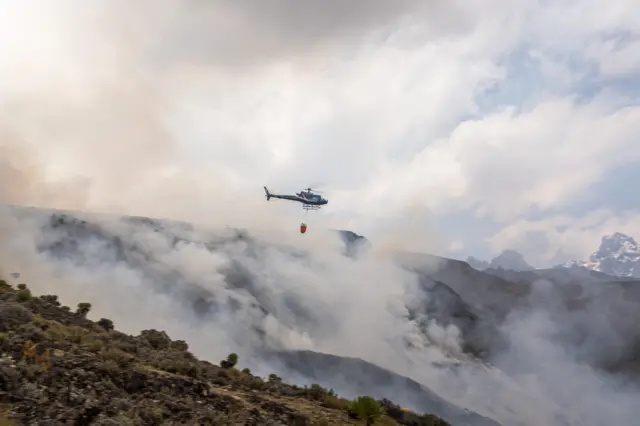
310 207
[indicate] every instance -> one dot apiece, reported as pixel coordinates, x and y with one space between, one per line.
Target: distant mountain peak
508 259
617 245
618 255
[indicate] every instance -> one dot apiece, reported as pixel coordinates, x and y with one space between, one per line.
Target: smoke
212 287
86 116
316 297
115 107
133 108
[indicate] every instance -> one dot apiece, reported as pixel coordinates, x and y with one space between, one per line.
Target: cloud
578 236
182 110
244 34
617 57
133 101
510 162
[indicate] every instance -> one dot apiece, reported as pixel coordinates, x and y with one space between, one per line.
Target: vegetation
367 409
59 367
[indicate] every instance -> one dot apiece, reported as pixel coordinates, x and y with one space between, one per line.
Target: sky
466 127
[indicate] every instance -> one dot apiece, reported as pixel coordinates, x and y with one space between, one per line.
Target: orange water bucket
303 228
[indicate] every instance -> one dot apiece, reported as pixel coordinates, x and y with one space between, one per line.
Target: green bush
157 339
106 323
367 409
316 392
180 345
83 309
336 403
274 379
23 295
230 362
50 298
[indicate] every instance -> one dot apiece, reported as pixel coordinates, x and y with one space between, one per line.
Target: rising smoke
317 299
93 101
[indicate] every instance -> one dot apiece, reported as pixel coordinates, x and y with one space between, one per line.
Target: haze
449 127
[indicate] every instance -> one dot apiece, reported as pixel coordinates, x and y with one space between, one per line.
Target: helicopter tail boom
267 193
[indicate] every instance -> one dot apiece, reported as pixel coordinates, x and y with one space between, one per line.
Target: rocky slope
367 378
58 367
618 256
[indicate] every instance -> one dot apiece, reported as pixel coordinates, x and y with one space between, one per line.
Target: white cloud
456 245
578 236
617 59
187 109
510 161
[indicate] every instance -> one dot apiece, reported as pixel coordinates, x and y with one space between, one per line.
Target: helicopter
309 198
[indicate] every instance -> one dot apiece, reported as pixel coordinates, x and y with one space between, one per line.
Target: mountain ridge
507 259
432 320
75 239
618 255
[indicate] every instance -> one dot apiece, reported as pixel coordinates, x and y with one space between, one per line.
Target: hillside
57 366
432 334
577 299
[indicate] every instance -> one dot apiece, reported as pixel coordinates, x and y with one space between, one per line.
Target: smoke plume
112 107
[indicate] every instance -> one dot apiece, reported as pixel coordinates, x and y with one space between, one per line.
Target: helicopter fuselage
307 198
311 199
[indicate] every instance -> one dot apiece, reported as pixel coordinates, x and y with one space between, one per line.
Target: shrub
316 392
254 383
93 344
367 409
180 345
121 359
230 362
127 347
333 402
50 298
83 309
274 379
181 366
23 295
106 323
156 339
